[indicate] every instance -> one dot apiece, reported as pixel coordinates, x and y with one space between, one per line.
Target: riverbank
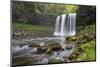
23 30
49 50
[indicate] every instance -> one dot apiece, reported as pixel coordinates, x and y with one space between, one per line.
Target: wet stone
34 45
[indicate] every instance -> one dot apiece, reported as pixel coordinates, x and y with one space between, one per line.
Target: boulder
50 46
53 45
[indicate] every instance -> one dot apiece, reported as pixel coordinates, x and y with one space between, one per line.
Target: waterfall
65 25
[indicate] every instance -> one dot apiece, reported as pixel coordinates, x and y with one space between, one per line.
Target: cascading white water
65 25
57 32
62 31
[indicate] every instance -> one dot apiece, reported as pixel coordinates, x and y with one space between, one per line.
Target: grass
30 27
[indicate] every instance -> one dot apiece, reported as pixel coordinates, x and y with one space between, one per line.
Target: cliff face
86 15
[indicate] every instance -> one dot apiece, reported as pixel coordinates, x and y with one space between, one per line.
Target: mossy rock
49 47
80 38
72 39
42 49
69 46
53 45
54 61
84 52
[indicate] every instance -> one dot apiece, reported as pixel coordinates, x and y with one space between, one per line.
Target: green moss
51 46
86 46
88 52
72 38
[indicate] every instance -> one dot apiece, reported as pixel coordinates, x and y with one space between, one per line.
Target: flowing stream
23 54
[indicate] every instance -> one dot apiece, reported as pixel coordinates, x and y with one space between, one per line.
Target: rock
66 59
22 61
41 49
80 38
69 46
17 34
53 45
34 45
74 55
49 50
54 61
73 38
49 46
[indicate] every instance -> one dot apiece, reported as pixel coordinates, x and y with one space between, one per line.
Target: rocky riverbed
41 51
48 50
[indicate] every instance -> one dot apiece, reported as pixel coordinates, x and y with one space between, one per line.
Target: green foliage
87 29
57 9
86 44
72 8
88 52
32 28
29 11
